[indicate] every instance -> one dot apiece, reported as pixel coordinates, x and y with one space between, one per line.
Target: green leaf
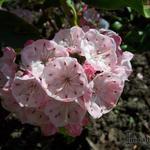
138 5
146 9
138 39
14 31
1 2
106 4
63 131
51 3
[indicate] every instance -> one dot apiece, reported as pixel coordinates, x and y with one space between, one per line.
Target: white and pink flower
65 79
59 81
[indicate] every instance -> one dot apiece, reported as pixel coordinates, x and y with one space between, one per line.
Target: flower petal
107 89
28 92
62 113
36 55
65 79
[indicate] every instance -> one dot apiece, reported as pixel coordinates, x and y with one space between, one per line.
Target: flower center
67 80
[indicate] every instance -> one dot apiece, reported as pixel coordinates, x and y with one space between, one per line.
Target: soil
126 127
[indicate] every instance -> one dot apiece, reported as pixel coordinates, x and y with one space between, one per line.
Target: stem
69 7
75 16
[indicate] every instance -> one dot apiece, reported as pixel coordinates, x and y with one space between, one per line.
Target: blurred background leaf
138 40
146 8
51 3
1 2
14 31
138 5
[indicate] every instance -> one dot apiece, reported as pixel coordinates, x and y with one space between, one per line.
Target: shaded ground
126 127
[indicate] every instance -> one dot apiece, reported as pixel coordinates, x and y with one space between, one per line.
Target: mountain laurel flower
59 83
65 79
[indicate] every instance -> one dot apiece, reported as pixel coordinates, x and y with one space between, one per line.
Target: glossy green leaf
146 10
14 31
138 5
138 39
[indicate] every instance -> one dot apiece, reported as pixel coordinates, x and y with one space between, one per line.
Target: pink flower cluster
59 82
